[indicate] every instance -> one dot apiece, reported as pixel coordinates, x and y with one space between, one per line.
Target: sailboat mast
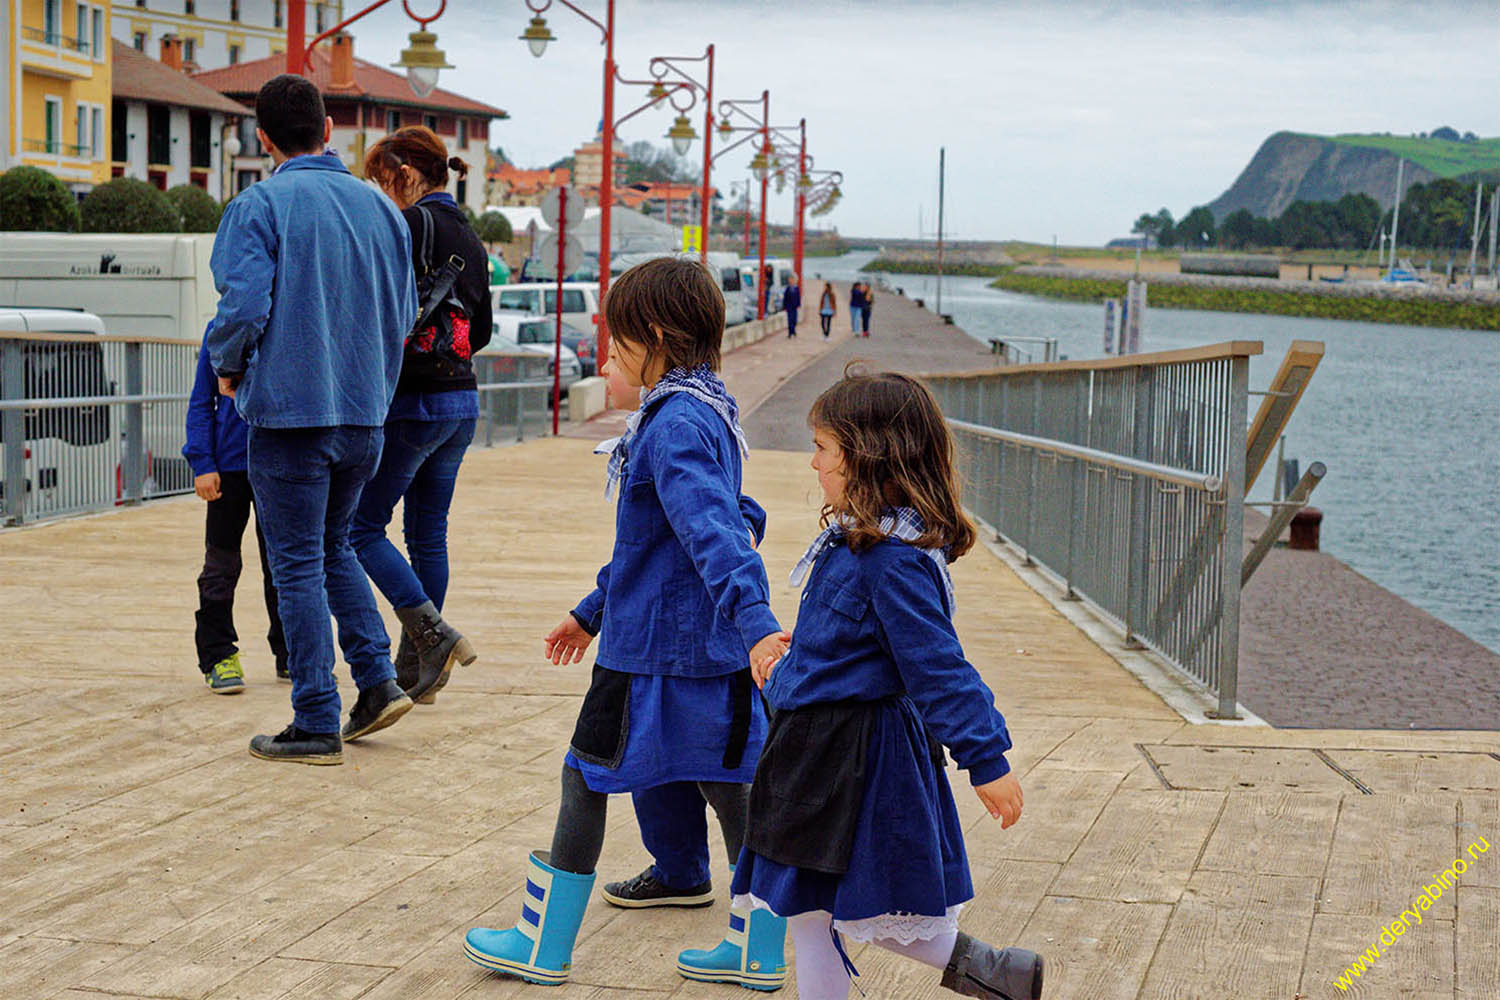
1396 214
1474 247
1494 228
942 155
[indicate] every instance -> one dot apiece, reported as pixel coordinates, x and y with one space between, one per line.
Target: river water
1407 419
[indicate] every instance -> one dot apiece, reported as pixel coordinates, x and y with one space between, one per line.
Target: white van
580 301
151 285
723 265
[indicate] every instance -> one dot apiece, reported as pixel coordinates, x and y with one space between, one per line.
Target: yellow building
55 60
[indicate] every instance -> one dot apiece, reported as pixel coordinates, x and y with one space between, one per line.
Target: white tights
820 969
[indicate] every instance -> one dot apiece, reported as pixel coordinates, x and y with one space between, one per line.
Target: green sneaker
227 676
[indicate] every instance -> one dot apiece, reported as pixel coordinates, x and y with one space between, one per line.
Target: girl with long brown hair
853 831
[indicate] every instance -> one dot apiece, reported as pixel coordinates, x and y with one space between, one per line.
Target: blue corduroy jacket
316 297
877 624
684 593
217 438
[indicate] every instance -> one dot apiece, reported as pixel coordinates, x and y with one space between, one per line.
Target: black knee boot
979 970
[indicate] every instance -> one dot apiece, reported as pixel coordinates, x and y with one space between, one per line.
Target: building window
249 141
462 195
277 22
430 121
189 50
119 133
234 54
139 41
234 10
51 21
392 120
158 134
96 133
81 131
188 6
97 34
198 139
54 124
244 179
83 26
463 131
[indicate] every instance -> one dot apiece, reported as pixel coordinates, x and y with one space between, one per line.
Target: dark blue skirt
908 854
676 729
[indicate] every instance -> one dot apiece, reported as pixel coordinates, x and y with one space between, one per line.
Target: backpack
439 340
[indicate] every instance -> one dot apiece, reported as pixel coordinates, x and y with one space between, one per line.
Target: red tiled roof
371 83
137 77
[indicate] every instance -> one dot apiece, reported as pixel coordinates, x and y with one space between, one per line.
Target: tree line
1438 215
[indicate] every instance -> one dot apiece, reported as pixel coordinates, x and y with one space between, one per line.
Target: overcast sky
1059 118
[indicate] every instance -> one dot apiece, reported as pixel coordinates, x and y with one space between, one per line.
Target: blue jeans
674 829
307 482
420 466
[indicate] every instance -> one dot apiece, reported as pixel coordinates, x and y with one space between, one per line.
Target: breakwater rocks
987 262
1412 305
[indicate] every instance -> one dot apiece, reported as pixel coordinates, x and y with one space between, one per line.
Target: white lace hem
903 928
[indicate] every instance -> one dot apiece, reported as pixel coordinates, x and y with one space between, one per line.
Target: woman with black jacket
432 417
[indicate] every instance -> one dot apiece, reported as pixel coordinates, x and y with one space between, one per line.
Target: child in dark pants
681 610
215 449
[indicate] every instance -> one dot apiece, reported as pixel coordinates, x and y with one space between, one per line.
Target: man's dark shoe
377 707
408 667
439 648
980 970
647 890
299 747
283 672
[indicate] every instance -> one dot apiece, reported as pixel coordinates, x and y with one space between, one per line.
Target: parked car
535 334
580 301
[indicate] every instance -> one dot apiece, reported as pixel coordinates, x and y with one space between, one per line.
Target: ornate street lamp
537 35
682 135
422 60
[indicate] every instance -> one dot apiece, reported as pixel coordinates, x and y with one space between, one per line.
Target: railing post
1036 468
133 458
1140 499
1080 482
1234 536
13 429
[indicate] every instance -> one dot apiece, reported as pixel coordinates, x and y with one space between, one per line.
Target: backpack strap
425 253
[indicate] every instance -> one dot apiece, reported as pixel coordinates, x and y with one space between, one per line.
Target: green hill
1295 166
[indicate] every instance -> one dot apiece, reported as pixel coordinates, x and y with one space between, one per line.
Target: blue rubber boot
752 954
539 949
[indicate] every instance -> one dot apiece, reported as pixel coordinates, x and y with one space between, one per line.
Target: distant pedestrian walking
431 421
215 450
791 301
314 275
828 307
868 307
856 306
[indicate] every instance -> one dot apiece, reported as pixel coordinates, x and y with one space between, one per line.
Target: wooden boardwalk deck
144 853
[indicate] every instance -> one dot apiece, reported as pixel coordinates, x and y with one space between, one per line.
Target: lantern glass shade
760 166
422 60
657 91
537 35
725 129
682 135
232 146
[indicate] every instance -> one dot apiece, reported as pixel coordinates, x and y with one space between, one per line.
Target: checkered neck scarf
899 522
702 383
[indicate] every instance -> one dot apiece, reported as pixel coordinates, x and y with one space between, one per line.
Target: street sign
552 208
692 239
545 255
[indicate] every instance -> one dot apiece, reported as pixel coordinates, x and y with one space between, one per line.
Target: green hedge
1405 311
32 200
198 210
127 205
963 269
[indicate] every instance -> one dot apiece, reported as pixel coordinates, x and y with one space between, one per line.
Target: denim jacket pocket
849 603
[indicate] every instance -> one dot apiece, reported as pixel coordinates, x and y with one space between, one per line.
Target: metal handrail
1197 480
54 403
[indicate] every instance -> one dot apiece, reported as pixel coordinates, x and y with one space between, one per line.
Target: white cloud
1066 118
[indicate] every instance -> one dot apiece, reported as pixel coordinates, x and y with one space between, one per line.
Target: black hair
290 111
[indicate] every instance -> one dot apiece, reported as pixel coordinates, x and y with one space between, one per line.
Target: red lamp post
760 165
804 162
536 36
421 59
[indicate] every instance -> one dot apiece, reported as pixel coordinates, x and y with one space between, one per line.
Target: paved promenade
144 853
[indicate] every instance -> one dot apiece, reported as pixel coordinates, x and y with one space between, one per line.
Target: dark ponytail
458 166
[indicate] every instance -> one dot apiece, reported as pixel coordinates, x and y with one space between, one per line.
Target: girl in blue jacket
853 830
681 603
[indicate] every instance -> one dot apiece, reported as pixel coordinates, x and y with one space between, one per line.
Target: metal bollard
1306 524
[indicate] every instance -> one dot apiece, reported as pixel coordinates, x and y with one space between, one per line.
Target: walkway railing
1124 478
89 422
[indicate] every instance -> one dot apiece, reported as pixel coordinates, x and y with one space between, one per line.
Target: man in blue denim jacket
317 294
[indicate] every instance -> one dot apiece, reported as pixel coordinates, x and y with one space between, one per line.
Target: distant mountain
1292 166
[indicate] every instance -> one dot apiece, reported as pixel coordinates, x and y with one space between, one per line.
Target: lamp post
421 59
659 68
804 162
760 166
536 36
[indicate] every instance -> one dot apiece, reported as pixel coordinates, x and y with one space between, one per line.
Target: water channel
1407 419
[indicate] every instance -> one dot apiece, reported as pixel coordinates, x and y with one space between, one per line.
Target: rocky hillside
1291 166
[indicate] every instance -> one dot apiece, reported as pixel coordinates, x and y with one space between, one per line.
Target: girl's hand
566 643
765 654
1002 797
